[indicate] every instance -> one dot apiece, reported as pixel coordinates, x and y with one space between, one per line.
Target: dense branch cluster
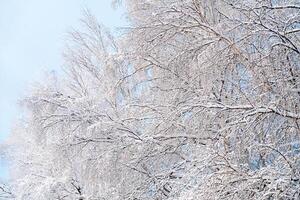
198 100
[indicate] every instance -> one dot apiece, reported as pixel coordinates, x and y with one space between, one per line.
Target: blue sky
32 34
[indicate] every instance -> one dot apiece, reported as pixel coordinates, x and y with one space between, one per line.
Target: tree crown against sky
198 99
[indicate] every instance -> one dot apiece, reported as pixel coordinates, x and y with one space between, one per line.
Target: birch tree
198 99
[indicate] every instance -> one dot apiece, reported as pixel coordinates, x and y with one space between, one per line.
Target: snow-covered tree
198 99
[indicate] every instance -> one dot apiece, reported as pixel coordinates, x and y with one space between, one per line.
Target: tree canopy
196 100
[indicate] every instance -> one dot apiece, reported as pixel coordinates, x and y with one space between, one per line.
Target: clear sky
32 34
